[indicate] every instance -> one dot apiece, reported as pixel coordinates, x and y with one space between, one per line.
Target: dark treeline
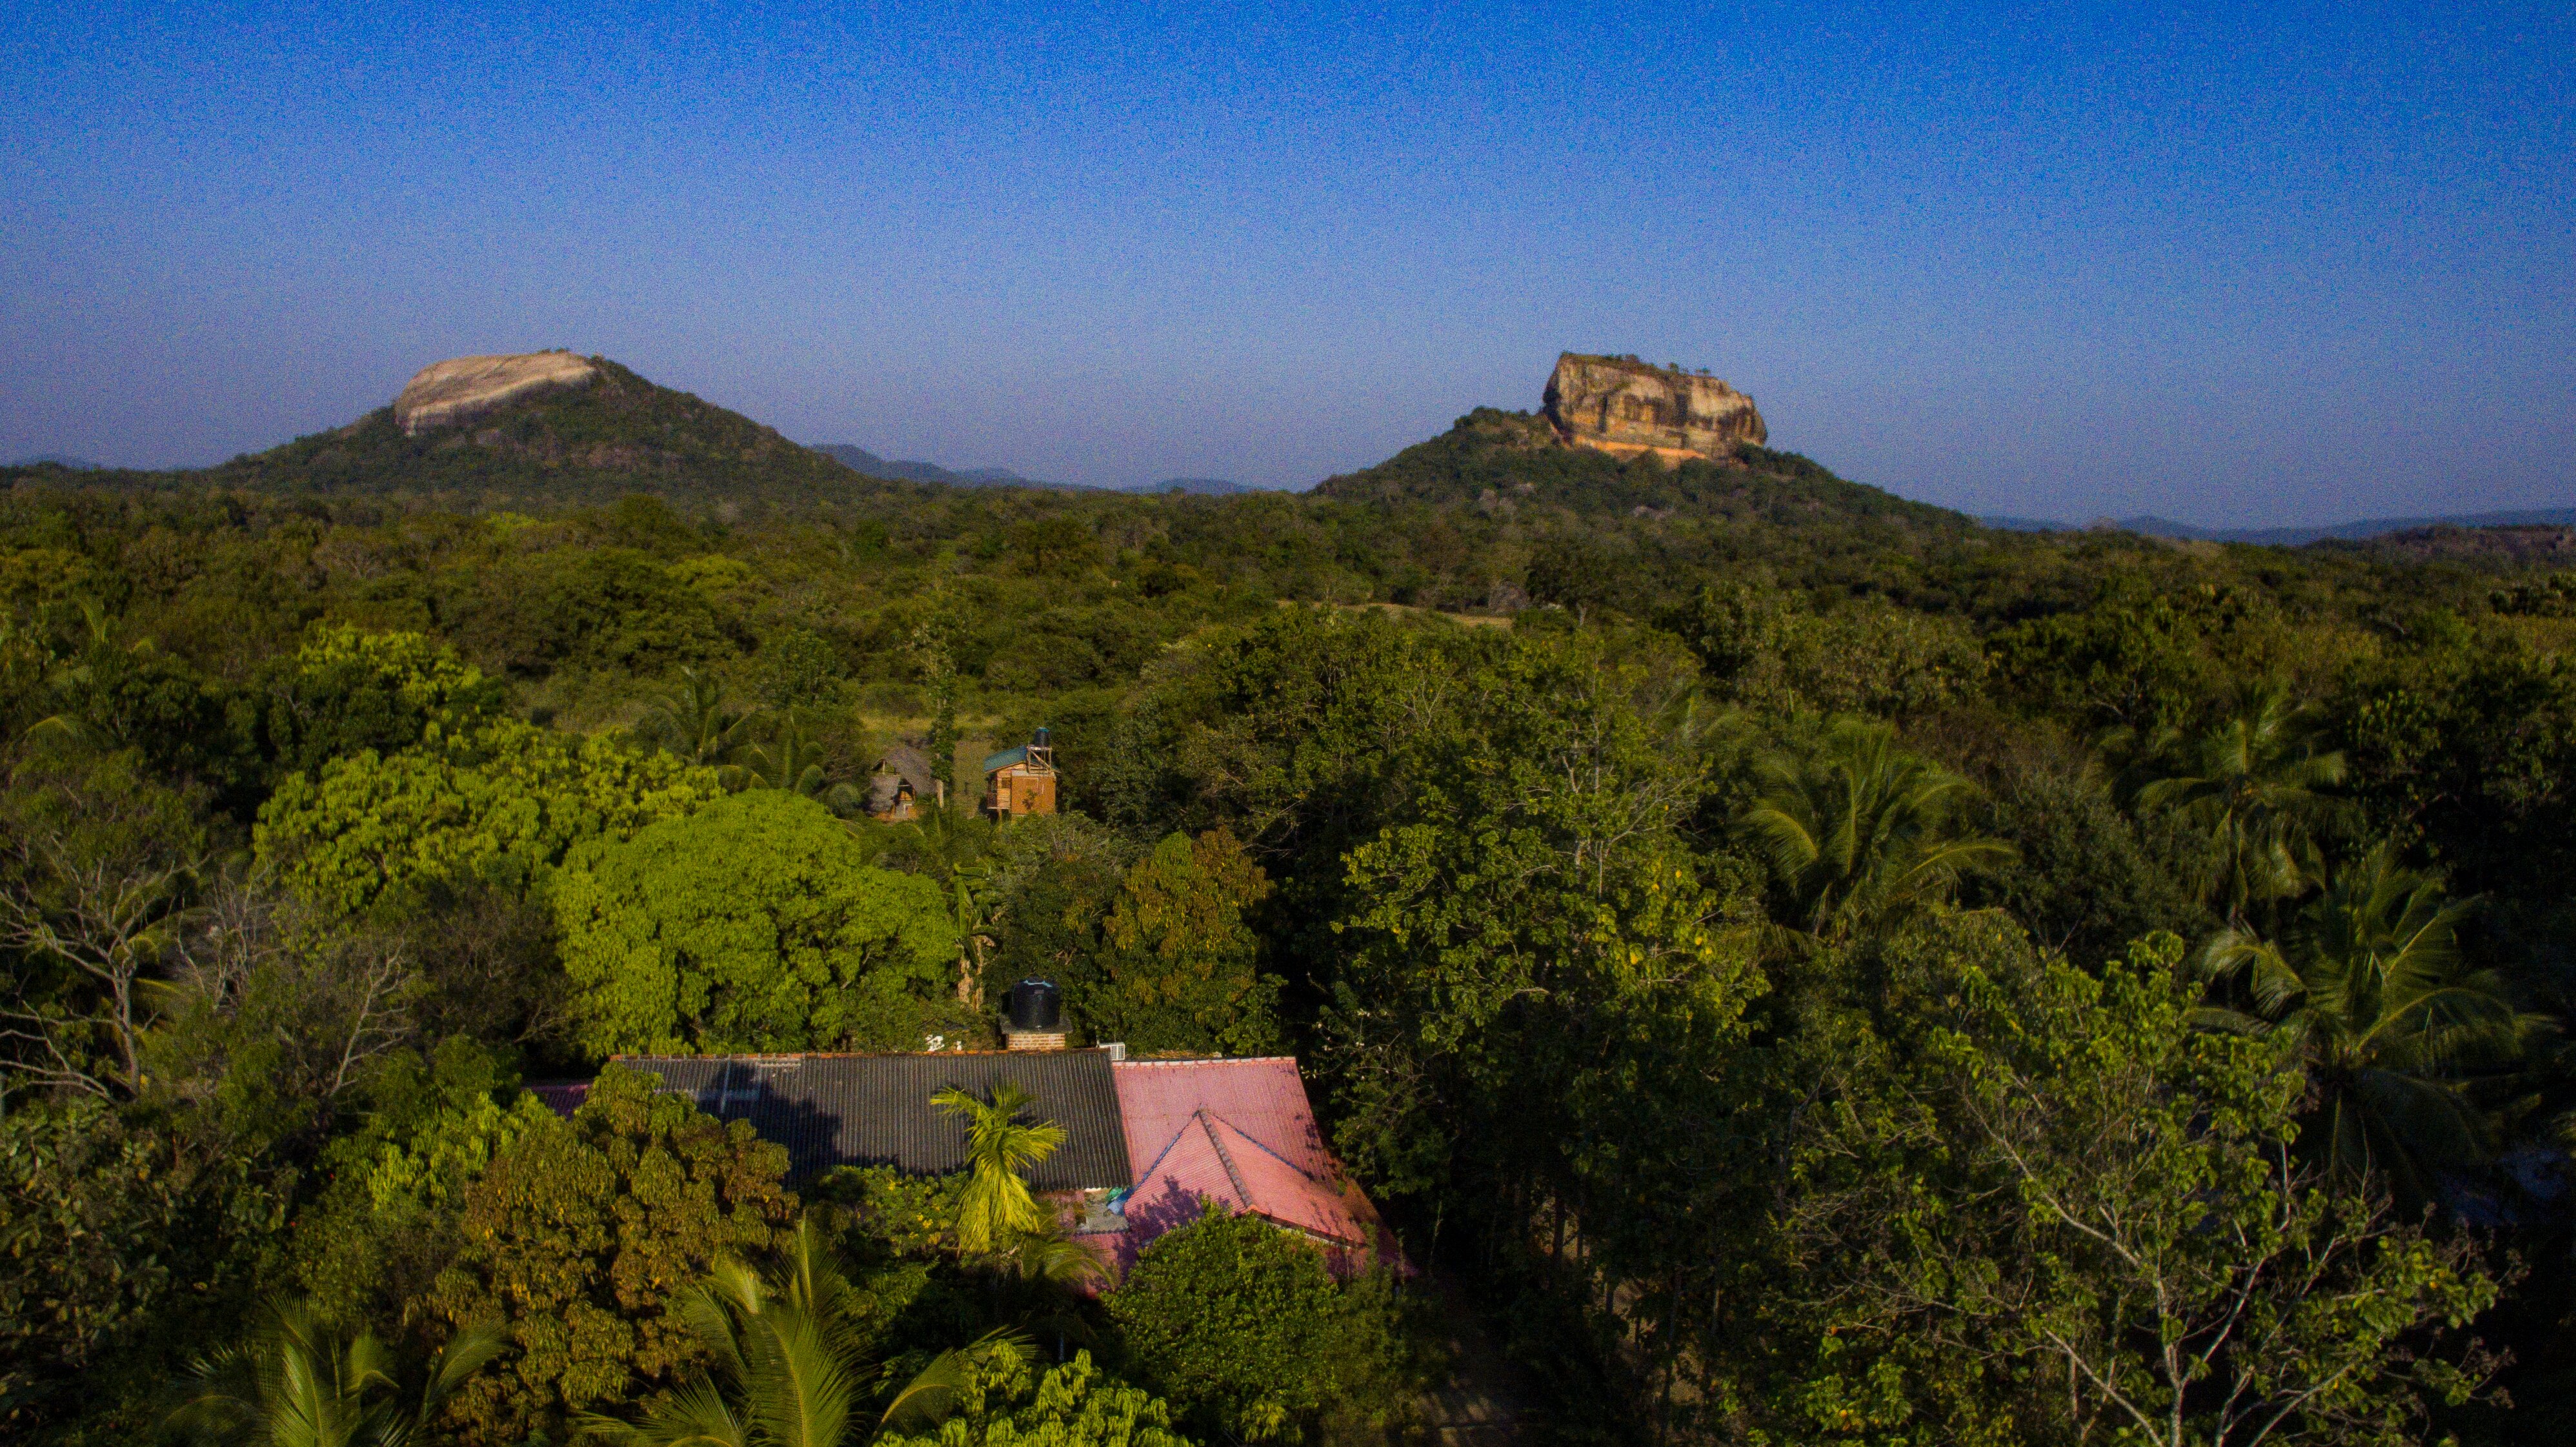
1795 966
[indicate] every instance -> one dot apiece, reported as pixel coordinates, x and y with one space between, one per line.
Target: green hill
1491 457
619 435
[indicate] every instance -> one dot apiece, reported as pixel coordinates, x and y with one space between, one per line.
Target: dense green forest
1794 966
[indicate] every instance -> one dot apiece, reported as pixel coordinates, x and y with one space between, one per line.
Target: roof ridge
1242 1192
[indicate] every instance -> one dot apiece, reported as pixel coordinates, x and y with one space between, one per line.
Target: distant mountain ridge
2149 525
860 459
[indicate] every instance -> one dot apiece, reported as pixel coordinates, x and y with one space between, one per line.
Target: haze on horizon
2251 266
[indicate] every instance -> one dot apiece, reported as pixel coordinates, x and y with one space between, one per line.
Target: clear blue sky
2232 264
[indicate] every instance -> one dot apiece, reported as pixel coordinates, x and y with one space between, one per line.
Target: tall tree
1178 962
997 1208
757 924
99 867
934 652
579 1237
1860 834
692 719
2254 782
500 802
2371 991
1526 919
2066 1211
1244 1323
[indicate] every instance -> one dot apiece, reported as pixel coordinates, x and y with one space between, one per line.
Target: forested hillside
621 434
1792 965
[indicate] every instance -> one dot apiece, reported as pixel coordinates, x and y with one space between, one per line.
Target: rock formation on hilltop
460 389
546 429
1622 406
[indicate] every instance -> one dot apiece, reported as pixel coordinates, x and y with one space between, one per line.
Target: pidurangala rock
1623 406
460 389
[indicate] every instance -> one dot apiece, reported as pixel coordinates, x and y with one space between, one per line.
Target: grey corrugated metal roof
1006 758
875 1110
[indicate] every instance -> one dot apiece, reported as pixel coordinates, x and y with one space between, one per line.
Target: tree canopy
755 924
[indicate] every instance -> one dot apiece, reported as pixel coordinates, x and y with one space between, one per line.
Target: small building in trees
1021 781
903 776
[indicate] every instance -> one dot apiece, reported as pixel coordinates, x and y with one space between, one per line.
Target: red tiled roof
1263 1097
1239 1132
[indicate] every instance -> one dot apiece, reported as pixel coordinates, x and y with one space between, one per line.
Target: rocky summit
460 389
1622 406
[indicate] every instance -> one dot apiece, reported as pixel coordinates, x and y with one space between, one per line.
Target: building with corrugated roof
1148 1143
875 1110
1021 781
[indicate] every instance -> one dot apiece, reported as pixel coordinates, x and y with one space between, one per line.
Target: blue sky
2241 265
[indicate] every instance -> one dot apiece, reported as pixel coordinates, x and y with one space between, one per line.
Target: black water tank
1037 1006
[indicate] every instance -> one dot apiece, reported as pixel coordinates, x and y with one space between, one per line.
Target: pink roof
1238 1132
1264 1098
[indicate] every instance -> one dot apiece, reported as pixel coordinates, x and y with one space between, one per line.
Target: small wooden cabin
1021 781
902 776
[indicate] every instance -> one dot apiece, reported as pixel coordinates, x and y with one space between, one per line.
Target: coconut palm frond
2233 1022
303 1380
696 1415
1860 835
996 1206
787 1368
2274 985
694 722
803 1392
1050 1254
931 1392
2253 783
2370 988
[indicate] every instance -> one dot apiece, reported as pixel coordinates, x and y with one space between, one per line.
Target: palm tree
71 671
2371 989
2253 780
1860 833
996 1210
304 1381
792 761
789 1363
693 722
1049 1256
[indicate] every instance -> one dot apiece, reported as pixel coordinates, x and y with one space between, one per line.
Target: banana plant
975 907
